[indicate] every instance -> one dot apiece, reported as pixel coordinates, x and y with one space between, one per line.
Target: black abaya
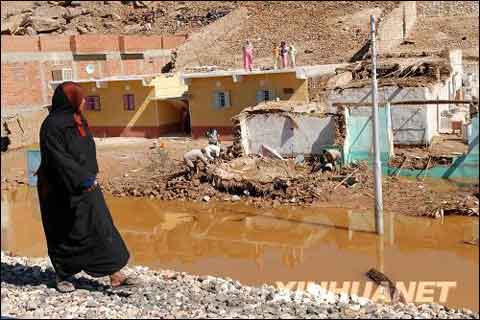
78 226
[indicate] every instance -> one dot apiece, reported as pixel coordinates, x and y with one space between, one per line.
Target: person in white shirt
212 151
191 159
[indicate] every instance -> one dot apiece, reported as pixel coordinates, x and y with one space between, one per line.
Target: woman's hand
94 185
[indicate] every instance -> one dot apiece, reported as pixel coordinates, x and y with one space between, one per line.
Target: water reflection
270 245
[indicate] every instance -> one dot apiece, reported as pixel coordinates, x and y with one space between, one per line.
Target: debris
13 23
401 166
235 198
382 280
30 31
41 24
55 12
134 28
82 29
206 198
300 159
345 179
74 12
267 151
474 242
140 4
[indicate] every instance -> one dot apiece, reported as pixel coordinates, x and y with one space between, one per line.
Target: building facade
215 97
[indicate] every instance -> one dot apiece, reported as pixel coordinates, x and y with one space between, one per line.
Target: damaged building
424 79
288 127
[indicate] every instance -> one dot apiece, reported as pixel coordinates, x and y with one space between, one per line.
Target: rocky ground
27 292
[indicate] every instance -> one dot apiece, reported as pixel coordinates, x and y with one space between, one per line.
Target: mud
284 244
155 169
268 183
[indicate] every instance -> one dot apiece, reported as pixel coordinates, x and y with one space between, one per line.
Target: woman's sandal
65 286
126 284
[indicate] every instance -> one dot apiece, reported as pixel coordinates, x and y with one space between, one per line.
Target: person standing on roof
284 54
248 56
276 55
292 52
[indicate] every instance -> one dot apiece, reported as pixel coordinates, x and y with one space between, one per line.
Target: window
221 99
128 102
92 103
265 95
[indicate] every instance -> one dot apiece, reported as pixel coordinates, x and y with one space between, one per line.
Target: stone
13 23
235 198
74 12
41 24
206 198
30 31
32 305
362 301
133 28
55 12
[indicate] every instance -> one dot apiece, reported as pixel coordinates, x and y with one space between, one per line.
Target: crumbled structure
290 128
422 79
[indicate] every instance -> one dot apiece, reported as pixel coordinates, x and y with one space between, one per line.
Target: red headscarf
75 96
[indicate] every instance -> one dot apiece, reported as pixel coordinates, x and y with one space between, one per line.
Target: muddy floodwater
273 245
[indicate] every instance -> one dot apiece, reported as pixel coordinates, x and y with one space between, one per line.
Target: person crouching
192 158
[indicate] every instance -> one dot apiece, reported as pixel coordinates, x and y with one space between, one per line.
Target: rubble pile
124 17
266 182
420 71
405 161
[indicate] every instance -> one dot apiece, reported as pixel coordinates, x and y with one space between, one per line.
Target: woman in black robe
78 226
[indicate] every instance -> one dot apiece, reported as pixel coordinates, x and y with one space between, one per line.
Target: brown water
269 245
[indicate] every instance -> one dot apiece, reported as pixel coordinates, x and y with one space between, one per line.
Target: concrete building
215 97
139 106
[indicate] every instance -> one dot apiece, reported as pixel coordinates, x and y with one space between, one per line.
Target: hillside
322 31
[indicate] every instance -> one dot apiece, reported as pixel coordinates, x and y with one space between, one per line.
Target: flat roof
113 78
302 72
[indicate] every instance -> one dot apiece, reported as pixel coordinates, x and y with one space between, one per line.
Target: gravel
27 292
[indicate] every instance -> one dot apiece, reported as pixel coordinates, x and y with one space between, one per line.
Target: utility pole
377 165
